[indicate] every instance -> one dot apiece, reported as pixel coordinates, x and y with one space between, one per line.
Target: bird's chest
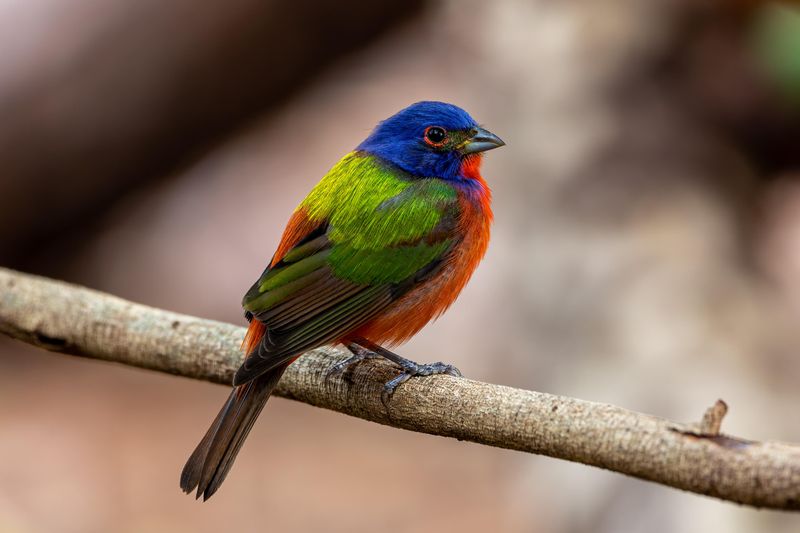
475 219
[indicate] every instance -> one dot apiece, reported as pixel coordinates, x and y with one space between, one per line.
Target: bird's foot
362 348
359 354
411 369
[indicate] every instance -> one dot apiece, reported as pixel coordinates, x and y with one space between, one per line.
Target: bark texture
65 318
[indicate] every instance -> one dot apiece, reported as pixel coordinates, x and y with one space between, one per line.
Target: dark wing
304 304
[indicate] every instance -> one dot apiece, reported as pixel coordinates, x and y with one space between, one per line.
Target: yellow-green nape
372 205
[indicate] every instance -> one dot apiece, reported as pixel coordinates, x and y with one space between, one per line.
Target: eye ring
435 136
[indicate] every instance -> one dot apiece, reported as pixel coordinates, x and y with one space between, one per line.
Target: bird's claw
414 369
356 358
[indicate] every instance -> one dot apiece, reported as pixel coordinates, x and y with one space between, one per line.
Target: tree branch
65 318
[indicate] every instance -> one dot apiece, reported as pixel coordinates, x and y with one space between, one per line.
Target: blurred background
646 248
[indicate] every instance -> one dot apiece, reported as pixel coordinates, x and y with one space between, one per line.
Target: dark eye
435 135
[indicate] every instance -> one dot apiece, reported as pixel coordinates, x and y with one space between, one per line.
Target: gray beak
480 142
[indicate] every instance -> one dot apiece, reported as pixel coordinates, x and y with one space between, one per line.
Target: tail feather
212 459
190 477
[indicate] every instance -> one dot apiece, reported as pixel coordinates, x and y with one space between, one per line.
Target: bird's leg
410 368
359 354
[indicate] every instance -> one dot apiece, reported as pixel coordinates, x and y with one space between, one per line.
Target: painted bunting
383 244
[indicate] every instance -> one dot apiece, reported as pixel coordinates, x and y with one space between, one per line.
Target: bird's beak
480 142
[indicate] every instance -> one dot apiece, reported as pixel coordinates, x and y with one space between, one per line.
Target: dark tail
212 459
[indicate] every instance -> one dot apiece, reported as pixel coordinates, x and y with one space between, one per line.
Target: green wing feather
381 231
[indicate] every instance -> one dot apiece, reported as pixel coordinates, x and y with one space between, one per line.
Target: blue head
429 140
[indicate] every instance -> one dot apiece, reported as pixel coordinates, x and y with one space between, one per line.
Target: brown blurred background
646 248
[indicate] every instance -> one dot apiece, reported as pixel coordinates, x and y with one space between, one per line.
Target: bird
382 245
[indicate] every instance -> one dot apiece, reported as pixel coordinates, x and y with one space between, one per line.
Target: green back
378 219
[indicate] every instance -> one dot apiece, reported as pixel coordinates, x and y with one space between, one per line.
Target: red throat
479 192
471 167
